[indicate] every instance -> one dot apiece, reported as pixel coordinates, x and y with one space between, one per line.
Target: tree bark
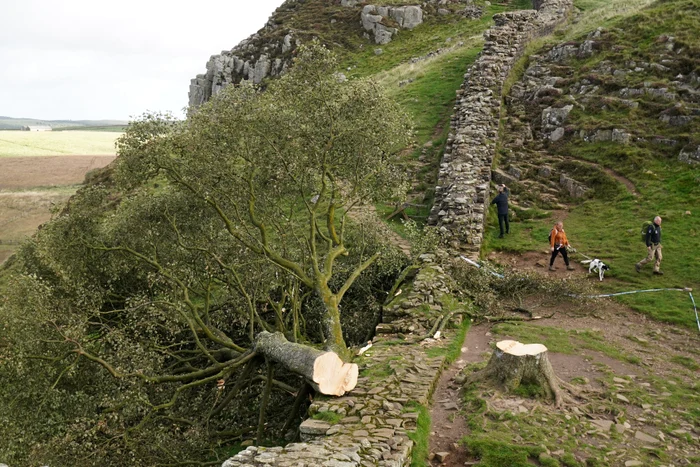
324 371
513 364
332 329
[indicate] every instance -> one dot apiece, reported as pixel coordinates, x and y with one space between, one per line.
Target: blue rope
695 308
687 289
474 263
634 291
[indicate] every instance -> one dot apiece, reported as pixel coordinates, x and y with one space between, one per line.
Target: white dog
598 266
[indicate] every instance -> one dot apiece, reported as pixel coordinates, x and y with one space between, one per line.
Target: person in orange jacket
558 244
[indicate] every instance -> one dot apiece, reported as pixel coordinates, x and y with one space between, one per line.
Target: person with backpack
501 201
558 244
652 238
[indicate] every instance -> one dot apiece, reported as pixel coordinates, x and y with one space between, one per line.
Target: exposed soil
649 342
43 171
27 193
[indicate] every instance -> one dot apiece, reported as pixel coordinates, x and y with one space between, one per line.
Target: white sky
99 59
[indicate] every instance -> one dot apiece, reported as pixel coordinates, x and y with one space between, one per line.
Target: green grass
495 453
560 340
606 223
506 438
421 436
687 362
377 371
109 128
50 143
427 37
330 417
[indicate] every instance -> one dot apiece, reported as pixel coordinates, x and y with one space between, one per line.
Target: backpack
549 239
645 229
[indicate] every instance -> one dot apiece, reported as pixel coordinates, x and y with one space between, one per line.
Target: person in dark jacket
653 241
501 201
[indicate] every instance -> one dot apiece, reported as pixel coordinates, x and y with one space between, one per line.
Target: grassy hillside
422 69
629 182
50 143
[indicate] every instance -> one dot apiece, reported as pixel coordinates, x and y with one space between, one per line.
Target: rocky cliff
344 24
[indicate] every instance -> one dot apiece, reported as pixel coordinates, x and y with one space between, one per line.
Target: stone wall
462 192
374 418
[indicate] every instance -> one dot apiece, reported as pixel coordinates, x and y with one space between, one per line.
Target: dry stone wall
374 418
462 192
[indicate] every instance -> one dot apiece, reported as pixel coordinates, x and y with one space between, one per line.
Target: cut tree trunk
514 363
324 371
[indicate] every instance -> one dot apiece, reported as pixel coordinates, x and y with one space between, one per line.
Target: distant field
23 173
56 143
31 187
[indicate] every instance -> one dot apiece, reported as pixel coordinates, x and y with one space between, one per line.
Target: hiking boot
659 273
552 268
500 236
637 267
569 268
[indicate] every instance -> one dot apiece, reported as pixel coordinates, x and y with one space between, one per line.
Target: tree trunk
324 371
513 363
331 323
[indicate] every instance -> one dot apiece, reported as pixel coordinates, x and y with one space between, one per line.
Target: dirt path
651 344
448 425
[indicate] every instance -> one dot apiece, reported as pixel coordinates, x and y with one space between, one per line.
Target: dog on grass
596 265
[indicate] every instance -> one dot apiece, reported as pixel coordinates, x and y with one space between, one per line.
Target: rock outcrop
249 60
465 171
383 22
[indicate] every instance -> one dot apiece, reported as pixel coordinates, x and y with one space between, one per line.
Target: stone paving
374 418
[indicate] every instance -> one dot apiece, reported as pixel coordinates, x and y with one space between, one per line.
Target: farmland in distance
39 171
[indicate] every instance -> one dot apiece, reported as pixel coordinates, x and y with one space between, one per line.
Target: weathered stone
603 425
557 134
441 456
641 436
555 117
574 188
690 156
372 20
314 427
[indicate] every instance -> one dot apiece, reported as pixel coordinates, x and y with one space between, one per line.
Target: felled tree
282 168
217 231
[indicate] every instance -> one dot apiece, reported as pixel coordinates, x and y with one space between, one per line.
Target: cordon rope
686 289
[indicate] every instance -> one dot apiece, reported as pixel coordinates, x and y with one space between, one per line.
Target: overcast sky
98 59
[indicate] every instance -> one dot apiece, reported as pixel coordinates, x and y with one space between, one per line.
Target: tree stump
324 371
514 363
